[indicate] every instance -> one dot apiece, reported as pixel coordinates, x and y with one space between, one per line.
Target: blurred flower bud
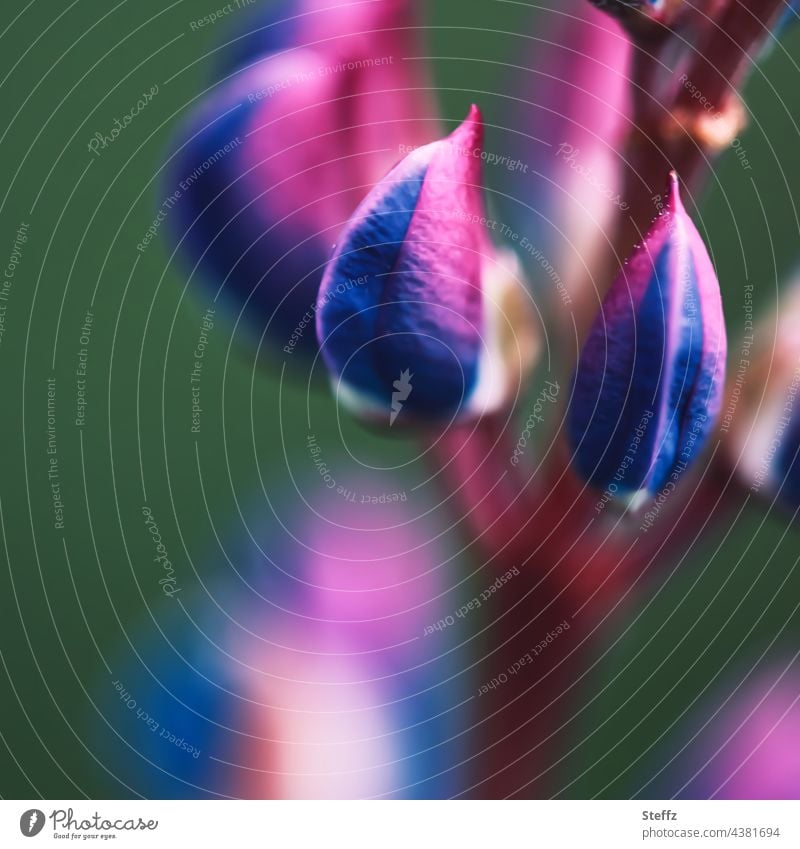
417 312
761 422
308 667
330 26
649 381
269 167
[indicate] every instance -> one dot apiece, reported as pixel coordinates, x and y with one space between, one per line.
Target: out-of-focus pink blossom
567 111
273 161
751 748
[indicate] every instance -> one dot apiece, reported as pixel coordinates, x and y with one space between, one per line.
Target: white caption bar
401 825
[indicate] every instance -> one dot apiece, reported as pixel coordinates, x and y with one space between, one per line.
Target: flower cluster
323 200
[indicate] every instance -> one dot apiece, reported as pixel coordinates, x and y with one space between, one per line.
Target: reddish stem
516 734
722 61
574 566
474 464
571 568
684 128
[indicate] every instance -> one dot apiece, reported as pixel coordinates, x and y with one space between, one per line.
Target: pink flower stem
567 568
515 737
572 567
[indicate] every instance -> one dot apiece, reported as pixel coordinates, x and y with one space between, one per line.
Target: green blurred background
74 596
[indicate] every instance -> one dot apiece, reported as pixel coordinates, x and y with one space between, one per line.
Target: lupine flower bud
761 420
650 377
416 311
270 166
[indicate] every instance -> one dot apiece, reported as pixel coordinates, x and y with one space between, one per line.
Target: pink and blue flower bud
416 302
649 382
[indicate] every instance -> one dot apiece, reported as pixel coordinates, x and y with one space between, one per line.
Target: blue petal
262 271
677 447
634 390
614 396
192 705
262 32
403 293
352 322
